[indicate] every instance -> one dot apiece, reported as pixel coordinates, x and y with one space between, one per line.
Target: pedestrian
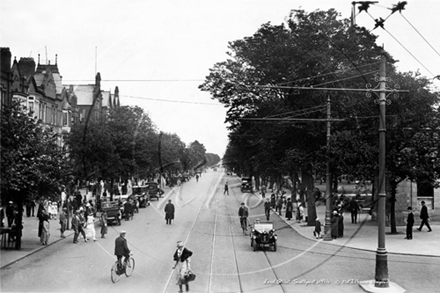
409 224
63 221
425 217
267 207
354 209
10 213
226 188
91 232
182 257
279 205
169 212
317 232
243 214
45 232
40 215
103 220
289 209
28 205
78 225
272 200
33 204
341 224
335 225
2 216
300 212
263 190
54 210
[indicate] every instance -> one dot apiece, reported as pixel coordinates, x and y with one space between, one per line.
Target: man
121 248
243 213
425 218
226 188
409 224
263 190
182 258
354 208
169 212
267 207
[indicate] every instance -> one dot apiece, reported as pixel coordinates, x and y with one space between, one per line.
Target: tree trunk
19 225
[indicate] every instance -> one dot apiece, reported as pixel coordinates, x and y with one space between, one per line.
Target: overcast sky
158 52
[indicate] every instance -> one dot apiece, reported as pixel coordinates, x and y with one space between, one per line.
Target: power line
170 101
135 80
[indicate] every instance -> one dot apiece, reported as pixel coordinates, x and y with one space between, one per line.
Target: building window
65 117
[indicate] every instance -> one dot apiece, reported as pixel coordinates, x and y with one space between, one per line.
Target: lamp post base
369 286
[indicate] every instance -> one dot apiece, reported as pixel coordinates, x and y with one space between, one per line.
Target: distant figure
226 188
335 225
91 227
354 209
45 232
10 213
169 212
317 232
341 225
289 209
197 177
425 218
103 220
263 190
63 221
409 224
279 205
267 207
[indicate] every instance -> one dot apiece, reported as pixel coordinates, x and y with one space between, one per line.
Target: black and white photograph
220 146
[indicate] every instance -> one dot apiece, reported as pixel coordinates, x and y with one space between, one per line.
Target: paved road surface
223 259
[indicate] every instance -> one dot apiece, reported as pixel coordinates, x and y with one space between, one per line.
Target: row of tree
120 146
278 126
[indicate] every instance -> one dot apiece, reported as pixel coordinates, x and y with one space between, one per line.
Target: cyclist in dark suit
121 247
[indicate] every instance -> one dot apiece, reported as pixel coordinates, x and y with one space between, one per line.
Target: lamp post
328 184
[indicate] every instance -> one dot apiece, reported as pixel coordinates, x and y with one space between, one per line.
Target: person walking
335 225
341 224
169 212
63 221
263 191
267 207
409 224
77 225
425 217
300 212
289 209
279 205
121 248
103 220
354 209
91 227
182 258
45 232
226 188
317 232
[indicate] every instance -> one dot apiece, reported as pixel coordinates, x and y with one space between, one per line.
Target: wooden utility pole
328 181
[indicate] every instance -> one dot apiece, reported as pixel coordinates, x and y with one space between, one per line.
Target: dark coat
185 254
317 226
410 220
169 211
424 213
341 226
243 212
335 225
289 209
121 247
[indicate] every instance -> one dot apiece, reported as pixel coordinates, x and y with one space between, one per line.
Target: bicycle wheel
129 268
115 273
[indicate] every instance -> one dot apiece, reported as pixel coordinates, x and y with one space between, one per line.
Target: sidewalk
364 235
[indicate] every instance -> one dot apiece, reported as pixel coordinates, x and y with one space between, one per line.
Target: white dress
90 229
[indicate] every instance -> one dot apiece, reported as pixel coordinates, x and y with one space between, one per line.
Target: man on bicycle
243 213
121 248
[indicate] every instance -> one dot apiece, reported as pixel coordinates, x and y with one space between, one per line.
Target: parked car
263 235
246 184
153 190
114 211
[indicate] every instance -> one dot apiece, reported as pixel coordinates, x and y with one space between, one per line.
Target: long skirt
103 230
182 271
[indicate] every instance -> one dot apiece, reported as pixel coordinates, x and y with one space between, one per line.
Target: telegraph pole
328 184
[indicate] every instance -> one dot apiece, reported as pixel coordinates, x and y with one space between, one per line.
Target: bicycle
120 268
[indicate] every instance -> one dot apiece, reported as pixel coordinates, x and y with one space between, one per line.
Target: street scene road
206 221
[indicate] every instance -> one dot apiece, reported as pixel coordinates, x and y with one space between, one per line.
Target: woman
63 221
289 209
103 221
335 225
45 232
182 257
91 227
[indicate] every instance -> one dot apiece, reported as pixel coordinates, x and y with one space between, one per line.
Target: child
103 224
317 232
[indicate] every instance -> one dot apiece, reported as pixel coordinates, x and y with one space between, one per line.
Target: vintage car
140 193
153 190
113 210
263 235
246 184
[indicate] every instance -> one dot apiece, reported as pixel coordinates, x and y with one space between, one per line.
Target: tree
32 163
